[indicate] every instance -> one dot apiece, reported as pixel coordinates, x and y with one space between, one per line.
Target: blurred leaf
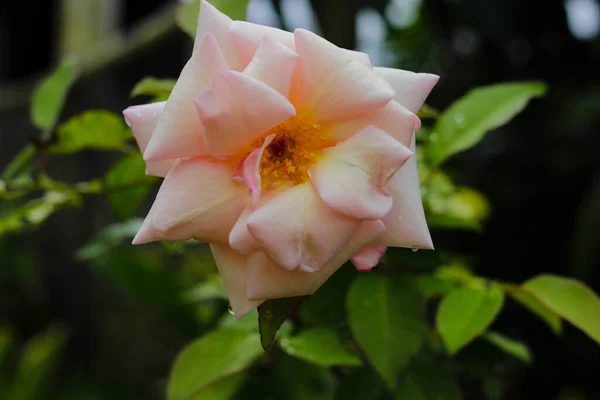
187 13
530 302
128 185
387 317
320 346
94 129
570 299
427 111
50 96
272 313
20 162
441 221
110 237
218 355
510 346
483 109
248 322
427 382
210 289
39 361
159 89
465 313
431 285
7 342
360 384
222 389
304 381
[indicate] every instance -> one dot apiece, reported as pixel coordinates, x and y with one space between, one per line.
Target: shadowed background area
541 172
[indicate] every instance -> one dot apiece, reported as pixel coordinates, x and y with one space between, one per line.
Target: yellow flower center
296 146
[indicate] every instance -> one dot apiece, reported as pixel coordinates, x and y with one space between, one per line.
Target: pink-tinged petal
238 109
233 270
411 88
265 280
179 131
239 238
147 233
296 229
351 177
246 38
405 223
273 64
142 120
322 74
393 119
368 258
212 21
198 199
251 171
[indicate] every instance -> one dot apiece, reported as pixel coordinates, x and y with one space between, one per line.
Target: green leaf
159 89
272 313
38 363
427 382
569 299
465 313
223 389
213 357
110 237
20 163
387 318
431 285
361 384
510 346
247 322
128 185
483 109
210 289
320 346
530 302
187 13
7 342
95 129
50 96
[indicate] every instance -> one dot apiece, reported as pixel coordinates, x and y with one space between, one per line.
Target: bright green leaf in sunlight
483 109
110 237
530 302
95 129
387 317
510 346
272 314
320 346
215 357
159 89
187 13
128 185
39 360
427 382
465 313
569 299
50 96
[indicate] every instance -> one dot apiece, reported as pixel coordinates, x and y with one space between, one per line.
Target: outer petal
296 229
142 121
266 281
351 176
411 88
215 22
179 130
233 270
236 110
198 199
405 223
247 36
324 78
393 119
273 64
366 259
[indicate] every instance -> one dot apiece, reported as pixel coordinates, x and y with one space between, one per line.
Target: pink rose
286 153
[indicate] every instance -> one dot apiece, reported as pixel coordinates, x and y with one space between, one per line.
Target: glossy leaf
387 317
320 346
569 299
483 109
187 13
530 302
216 356
95 129
510 346
465 313
427 382
272 314
50 96
128 185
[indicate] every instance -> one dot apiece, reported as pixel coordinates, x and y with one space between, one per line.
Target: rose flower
286 153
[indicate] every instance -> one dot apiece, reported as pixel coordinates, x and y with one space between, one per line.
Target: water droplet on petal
415 249
230 310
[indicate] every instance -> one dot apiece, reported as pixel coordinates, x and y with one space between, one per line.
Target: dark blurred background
541 172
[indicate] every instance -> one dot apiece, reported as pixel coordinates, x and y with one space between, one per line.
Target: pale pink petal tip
368 258
146 234
417 122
